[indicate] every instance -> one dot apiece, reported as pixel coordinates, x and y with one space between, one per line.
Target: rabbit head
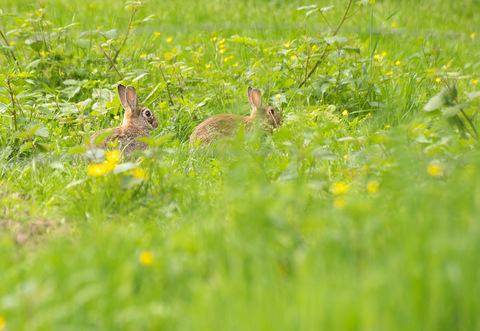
135 115
259 111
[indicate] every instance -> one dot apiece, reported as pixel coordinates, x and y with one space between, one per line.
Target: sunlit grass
359 212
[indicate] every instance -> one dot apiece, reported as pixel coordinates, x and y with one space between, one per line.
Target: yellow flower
139 173
472 35
434 170
314 47
109 166
475 81
394 24
96 169
2 322
113 156
293 57
438 79
146 258
213 39
208 66
221 41
369 114
345 112
376 56
397 63
389 73
42 53
339 188
117 117
339 202
157 33
12 43
383 54
228 58
266 50
345 156
92 5
373 186
169 39
321 100
143 55
235 64
287 45
221 51
278 96
387 126
221 46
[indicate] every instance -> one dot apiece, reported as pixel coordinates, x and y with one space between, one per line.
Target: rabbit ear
255 97
131 98
122 95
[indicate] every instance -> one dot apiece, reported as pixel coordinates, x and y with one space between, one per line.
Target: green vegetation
359 213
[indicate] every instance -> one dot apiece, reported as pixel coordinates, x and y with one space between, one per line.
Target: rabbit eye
272 111
148 113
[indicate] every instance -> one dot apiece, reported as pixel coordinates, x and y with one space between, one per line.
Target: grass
359 213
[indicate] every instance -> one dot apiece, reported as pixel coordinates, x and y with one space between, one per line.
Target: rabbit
138 121
226 125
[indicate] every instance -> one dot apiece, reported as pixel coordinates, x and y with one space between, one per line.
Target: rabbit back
217 126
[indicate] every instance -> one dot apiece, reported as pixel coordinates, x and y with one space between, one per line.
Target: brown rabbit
138 121
226 125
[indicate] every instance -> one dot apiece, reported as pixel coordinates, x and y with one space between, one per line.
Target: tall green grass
359 213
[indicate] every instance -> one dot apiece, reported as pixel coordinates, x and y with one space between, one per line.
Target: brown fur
138 121
226 125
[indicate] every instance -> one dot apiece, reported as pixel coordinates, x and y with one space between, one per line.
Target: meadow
361 212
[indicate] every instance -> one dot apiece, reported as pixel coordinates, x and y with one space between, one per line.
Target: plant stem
11 51
334 32
112 64
166 84
134 10
14 112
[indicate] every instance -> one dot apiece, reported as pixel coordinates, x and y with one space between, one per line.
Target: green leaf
454 110
124 167
308 7
322 154
130 181
25 147
75 183
42 131
338 40
440 100
102 136
324 9
83 43
45 110
155 142
350 49
473 95
77 150
243 40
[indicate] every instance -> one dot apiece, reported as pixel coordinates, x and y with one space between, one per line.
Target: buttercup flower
139 173
434 170
146 258
373 186
113 156
96 169
339 188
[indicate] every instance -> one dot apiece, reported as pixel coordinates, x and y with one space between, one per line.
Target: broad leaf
442 99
